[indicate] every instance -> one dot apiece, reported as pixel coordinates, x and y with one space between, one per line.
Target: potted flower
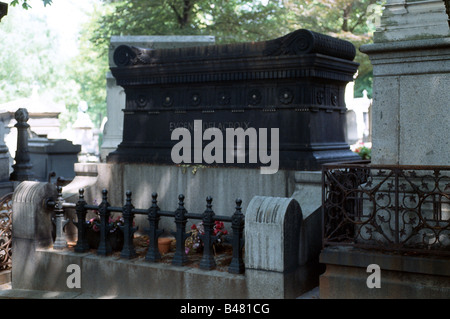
164 244
364 151
194 244
115 233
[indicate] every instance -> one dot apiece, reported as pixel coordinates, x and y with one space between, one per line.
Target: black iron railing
396 208
154 213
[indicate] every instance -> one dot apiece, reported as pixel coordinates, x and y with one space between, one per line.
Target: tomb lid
299 42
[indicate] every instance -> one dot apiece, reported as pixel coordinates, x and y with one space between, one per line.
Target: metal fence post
153 253
128 250
82 243
237 225
180 258
22 167
60 222
104 247
208 238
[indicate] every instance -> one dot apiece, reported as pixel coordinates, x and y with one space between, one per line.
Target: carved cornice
225 70
297 43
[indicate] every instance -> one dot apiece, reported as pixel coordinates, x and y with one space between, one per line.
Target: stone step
312 294
6 292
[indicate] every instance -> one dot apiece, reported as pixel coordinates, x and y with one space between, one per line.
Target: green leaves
26 5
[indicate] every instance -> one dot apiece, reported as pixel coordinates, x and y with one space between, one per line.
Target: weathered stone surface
32 229
272 224
411 19
276 265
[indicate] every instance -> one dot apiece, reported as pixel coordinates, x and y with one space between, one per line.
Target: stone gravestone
115 97
53 155
275 266
294 84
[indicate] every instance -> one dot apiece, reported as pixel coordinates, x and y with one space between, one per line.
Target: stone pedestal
115 95
411 67
411 98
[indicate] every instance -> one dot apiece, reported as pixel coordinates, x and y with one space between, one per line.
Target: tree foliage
236 21
228 20
26 5
28 56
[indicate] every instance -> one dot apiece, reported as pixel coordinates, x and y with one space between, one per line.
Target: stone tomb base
401 277
284 265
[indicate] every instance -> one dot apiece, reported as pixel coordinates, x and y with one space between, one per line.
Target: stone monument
115 97
294 84
411 67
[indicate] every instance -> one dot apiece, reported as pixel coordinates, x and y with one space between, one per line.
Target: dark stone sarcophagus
295 84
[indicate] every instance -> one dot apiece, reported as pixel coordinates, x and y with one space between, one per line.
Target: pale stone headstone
275 266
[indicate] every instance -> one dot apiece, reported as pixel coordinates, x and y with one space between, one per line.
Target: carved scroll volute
305 41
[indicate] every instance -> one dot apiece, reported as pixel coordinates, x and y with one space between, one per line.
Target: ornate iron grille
401 208
5 231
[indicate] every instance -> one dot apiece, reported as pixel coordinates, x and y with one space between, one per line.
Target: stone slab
411 80
112 277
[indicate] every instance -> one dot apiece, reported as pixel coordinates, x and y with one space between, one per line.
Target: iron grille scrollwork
398 208
5 231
